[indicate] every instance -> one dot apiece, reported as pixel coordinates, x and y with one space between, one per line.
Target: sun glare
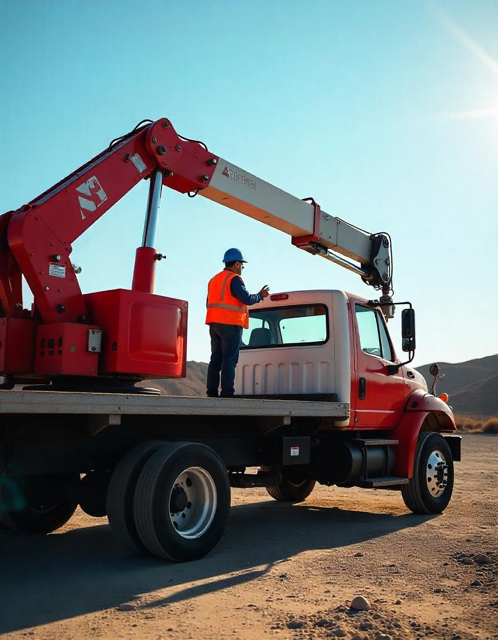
459 34
480 54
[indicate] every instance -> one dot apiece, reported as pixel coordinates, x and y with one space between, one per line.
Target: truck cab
326 344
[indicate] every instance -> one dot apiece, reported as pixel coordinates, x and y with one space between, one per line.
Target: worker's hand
264 291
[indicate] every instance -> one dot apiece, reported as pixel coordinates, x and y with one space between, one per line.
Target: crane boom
60 215
311 228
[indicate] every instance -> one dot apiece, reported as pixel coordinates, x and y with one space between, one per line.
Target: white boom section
239 190
244 192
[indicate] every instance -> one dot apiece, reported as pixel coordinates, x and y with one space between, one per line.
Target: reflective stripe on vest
223 286
219 305
222 306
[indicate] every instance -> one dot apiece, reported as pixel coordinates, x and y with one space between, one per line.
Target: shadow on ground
48 578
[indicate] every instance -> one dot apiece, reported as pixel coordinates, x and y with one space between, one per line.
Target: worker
227 316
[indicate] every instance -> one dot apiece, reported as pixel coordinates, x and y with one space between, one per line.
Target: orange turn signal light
444 397
279 296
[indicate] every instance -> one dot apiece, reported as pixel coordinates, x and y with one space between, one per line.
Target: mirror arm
392 369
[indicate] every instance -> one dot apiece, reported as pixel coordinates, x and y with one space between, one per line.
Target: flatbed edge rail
62 402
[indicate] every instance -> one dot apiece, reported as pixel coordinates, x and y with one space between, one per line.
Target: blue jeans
225 345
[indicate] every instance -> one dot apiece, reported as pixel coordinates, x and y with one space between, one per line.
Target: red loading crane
135 334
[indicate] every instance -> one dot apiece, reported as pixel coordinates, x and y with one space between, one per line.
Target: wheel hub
437 474
193 502
179 500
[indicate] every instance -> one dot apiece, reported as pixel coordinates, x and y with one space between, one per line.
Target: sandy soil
280 571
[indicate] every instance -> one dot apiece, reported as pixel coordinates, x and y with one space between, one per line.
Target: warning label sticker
294 451
139 164
57 270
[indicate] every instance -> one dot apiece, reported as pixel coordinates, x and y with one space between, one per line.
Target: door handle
362 388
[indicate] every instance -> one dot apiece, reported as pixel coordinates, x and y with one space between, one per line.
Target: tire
38 504
121 492
93 493
429 492
293 488
182 502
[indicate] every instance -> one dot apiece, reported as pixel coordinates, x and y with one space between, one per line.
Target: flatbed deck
69 402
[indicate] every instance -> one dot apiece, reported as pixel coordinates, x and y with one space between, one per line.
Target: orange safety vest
222 307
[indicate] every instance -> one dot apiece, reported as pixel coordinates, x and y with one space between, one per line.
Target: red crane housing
143 335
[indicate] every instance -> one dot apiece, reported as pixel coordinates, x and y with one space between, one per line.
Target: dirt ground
280 571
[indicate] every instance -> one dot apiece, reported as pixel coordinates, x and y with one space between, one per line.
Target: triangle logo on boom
225 172
94 196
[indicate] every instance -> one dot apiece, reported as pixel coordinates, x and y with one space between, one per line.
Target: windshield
286 326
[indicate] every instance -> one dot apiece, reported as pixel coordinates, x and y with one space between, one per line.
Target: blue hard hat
233 255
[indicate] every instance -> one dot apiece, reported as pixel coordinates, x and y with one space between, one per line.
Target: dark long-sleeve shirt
239 291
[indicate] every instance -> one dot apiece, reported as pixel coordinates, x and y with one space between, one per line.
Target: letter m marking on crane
92 196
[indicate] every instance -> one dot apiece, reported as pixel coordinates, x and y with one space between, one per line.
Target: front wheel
182 501
38 504
294 487
430 488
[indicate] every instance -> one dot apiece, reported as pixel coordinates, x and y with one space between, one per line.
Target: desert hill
193 385
478 399
460 375
471 385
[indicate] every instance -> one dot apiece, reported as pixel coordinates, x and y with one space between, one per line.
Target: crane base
95 385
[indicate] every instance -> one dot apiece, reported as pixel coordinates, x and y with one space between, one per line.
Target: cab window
372 332
307 325
256 324
285 326
387 352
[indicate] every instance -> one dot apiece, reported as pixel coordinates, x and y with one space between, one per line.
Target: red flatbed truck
322 395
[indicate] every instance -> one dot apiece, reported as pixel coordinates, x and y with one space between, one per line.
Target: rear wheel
430 488
182 502
38 504
121 492
293 488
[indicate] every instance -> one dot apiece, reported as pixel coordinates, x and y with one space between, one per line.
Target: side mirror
407 335
434 369
408 323
408 330
408 344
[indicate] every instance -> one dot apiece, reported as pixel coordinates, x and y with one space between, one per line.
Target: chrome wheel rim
437 474
192 503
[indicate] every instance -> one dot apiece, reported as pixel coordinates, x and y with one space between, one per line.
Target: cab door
380 396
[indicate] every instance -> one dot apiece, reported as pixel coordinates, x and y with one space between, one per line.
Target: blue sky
385 112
